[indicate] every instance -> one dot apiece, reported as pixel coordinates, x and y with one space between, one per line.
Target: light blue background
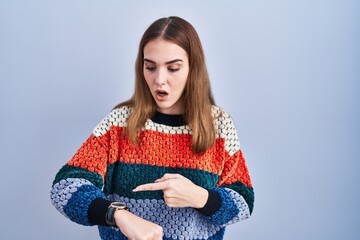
287 71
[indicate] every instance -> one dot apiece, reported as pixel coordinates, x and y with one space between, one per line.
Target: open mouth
161 93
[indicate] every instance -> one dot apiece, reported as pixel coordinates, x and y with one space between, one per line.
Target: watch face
118 205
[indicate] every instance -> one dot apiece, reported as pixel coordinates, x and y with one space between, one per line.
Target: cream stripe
225 127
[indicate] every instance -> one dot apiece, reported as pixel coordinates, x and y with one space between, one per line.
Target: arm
221 205
78 184
235 191
134 227
230 200
77 191
234 186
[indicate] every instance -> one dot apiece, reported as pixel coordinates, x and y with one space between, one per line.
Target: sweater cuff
212 205
97 211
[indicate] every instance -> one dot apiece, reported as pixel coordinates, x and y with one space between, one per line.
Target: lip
161 95
161 92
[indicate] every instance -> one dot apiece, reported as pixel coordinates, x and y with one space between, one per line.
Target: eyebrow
168 62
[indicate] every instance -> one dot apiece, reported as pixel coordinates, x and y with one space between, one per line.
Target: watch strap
109 216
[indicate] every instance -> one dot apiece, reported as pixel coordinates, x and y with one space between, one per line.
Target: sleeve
235 194
77 191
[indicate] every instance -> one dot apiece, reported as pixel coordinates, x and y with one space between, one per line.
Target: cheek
182 81
147 78
179 86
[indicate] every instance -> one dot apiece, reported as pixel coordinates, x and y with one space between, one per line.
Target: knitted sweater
107 167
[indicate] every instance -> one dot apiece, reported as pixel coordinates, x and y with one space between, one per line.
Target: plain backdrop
288 72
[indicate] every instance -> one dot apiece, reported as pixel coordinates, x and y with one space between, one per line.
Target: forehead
160 50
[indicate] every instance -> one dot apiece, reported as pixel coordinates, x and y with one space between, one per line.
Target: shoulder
225 129
117 117
221 117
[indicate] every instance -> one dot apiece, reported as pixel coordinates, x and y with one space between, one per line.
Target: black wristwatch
109 216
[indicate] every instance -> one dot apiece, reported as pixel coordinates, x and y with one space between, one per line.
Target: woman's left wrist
201 198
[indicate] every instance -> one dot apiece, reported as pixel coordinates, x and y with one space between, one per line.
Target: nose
160 77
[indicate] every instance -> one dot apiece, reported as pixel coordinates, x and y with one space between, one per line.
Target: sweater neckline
173 120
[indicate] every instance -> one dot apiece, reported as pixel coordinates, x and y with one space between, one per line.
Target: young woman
165 164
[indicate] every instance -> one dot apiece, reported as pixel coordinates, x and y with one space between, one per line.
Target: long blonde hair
197 94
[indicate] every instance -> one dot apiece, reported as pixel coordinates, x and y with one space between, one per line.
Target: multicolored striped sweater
107 167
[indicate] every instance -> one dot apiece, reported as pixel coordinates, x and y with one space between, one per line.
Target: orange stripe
92 155
235 169
159 149
168 150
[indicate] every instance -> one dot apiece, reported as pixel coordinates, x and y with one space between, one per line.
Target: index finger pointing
150 187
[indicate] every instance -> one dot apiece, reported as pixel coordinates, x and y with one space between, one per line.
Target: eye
173 69
150 69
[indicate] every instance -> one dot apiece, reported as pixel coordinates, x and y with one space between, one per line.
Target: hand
178 191
136 228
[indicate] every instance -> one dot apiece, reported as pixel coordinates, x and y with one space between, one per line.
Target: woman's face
166 69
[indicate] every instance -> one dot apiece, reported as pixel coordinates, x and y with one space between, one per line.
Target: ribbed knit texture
107 167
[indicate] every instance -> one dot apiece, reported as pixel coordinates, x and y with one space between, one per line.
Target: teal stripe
108 178
130 176
245 191
76 172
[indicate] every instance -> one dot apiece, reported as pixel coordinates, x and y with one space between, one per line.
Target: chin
164 106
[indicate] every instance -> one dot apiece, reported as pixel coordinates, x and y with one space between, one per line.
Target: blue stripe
109 233
175 221
228 209
77 206
245 191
